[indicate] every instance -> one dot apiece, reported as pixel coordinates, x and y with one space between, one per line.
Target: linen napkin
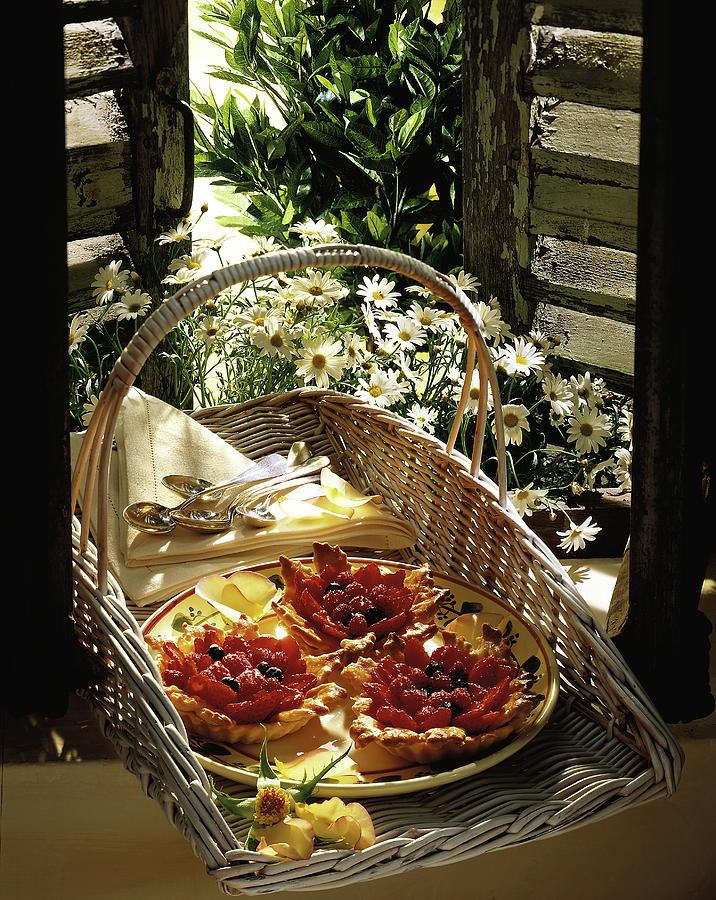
153 439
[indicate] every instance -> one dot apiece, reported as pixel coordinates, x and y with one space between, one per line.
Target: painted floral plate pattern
369 772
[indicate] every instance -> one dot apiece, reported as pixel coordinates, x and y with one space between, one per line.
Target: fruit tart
361 610
445 706
238 685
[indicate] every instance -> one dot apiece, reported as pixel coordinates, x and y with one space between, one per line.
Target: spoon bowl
211 509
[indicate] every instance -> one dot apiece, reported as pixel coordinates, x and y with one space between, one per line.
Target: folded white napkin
154 439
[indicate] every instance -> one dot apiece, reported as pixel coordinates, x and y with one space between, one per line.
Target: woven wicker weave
605 748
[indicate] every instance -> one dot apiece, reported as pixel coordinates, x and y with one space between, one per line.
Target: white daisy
521 358
187 268
77 332
558 393
423 416
274 339
622 470
428 317
583 389
210 328
88 409
320 360
315 288
587 429
576 536
491 320
382 389
465 281
370 323
514 418
177 235
473 397
317 232
261 245
108 280
255 316
405 332
133 304
625 426
420 289
527 499
354 349
378 292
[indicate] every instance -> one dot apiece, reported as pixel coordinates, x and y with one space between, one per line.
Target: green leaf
245 809
302 793
326 133
410 128
267 776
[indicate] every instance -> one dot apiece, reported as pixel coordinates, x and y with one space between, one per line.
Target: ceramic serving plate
370 772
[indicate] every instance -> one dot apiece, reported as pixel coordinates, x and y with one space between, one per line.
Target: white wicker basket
604 749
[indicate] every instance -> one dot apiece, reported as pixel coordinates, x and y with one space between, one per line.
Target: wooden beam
584 211
623 16
96 58
99 167
665 637
589 143
600 345
592 67
496 55
598 281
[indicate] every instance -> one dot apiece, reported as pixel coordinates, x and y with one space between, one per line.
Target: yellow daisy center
511 419
404 335
520 359
586 429
276 340
375 391
315 290
319 361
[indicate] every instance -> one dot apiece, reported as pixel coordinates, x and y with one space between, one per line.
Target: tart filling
230 685
448 705
357 609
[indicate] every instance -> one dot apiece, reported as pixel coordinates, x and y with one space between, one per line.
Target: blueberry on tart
229 685
359 610
445 706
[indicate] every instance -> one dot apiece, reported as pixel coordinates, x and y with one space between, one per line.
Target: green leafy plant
356 120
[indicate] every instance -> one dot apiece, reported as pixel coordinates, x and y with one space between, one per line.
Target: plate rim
421 782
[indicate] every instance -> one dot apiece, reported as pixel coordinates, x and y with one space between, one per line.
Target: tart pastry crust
312 638
200 718
449 744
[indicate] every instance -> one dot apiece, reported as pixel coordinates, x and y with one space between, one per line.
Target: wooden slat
592 67
586 142
99 167
595 280
585 211
96 58
602 346
84 258
623 16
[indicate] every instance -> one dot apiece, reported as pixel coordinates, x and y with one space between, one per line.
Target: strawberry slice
256 710
396 718
488 671
300 681
415 654
433 718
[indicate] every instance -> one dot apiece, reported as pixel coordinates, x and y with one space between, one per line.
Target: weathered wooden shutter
551 170
129 132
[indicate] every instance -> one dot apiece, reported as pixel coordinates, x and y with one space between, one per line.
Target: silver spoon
257 516
189 486
155 518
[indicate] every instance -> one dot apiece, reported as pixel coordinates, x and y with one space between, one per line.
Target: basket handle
95 452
